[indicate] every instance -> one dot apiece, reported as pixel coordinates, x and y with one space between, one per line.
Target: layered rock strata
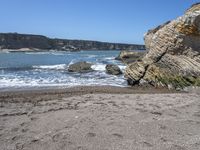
173 57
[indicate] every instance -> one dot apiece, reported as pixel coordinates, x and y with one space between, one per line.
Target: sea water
22 70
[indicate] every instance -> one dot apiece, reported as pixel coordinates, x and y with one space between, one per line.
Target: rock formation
113 69
14 41
130 56
173 57
80 67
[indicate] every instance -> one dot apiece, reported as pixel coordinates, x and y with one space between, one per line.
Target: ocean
24 70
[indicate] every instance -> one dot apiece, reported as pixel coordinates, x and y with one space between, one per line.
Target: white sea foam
72 62
56 67
102 67
98 78
110 58
99 67
122 67
91 56
37 53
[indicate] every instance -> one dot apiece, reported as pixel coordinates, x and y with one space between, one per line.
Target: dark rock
80 67
113 69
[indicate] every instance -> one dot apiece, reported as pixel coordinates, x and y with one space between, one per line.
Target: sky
123 21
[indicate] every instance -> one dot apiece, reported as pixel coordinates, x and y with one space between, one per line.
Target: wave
51 67
99 67
17 81
46 53
72 62
37 53
110 58
4 51
102 67
122 67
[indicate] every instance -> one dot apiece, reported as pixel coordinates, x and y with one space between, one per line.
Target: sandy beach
100 118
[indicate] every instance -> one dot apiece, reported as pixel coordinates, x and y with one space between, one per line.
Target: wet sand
100 118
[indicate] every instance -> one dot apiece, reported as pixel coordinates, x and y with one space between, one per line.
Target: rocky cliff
37 42
173 57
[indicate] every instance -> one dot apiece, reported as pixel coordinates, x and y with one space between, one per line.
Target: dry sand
99 118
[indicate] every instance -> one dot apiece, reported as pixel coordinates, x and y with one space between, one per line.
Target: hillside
15 41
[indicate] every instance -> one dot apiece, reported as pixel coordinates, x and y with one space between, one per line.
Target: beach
100 118
100 75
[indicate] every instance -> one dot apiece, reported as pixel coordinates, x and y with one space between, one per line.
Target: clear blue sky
123 21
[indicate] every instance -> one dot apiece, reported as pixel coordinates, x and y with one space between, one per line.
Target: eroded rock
173 57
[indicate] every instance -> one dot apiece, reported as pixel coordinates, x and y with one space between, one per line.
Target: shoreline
55 92
57 50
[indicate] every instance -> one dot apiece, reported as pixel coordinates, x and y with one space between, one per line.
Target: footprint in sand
113 103
163 127
147 144
163 139
91 134
118 135
59 137
156 113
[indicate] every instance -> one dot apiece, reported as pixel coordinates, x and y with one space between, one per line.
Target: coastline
24 50
73 94
54 92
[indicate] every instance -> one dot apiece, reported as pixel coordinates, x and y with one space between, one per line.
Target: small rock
113 69
80 67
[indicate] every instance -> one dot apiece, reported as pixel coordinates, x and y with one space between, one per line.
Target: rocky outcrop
130 56
14 41
80 67
113 69
173 57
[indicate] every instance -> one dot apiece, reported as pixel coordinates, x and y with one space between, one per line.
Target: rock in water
130 56
80 67
113 69
173 57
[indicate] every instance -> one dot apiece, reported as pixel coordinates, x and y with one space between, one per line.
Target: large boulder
173 57
113 69
130 56
80 67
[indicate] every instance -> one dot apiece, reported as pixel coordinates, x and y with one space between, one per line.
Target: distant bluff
17 41
173 57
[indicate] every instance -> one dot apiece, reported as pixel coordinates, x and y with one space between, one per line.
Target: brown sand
100 118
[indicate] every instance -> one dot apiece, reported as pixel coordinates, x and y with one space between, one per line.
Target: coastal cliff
173 57
15 41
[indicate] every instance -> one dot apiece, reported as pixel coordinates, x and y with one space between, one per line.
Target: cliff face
173 57
20 41
17 41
